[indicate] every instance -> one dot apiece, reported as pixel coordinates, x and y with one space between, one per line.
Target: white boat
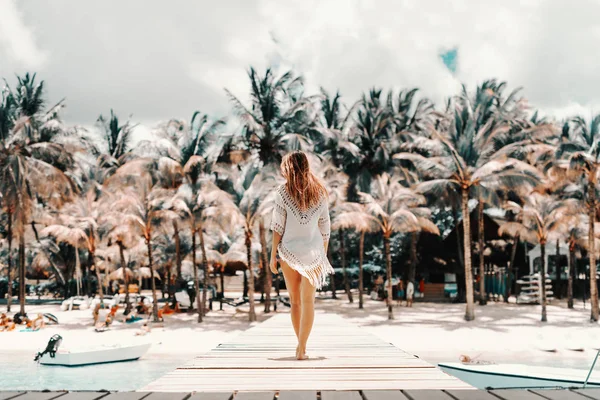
96 355
506 376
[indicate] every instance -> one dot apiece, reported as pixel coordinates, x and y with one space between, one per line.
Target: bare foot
301 353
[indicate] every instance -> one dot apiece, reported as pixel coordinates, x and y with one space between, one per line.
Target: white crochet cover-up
303 234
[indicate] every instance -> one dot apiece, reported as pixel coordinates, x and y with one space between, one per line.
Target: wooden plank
471 395
426 395
255 395
515 394
340 395
212 396
554 394
41 395
591 393
297 395
9 395
168 396
84 396
125 396
343 357
383 395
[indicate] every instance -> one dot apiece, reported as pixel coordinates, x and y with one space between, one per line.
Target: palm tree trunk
470 311
125 278
361 250
268 277
77 271
571 273
57 272
22 272
332 276
388 264
558 271
414 238
511 267
343 260
177 250
481 239
196 280
204 269
252 312
92 264
9 237
153 283
592 248
542 282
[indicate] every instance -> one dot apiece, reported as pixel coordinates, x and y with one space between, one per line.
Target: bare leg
292 282
307 293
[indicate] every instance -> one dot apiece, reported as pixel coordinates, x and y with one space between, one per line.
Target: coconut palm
278 116
461 162
396 208
372 133
142 205
249 187
202 205
581 145
330 133
355 216
198 143
539 220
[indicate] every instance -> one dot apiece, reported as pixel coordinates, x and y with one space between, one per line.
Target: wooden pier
584 394
342 357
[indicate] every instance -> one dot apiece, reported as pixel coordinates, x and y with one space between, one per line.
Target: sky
156 60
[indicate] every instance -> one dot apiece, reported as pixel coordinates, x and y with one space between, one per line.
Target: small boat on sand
90 355
505 376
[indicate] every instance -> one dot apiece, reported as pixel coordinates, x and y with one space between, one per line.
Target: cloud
17 38
158 60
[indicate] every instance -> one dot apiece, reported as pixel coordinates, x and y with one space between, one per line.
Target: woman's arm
276 241
278 221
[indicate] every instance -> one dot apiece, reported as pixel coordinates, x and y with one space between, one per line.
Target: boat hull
96 356
517 376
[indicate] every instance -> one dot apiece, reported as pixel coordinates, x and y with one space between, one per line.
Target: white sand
434 332
502 333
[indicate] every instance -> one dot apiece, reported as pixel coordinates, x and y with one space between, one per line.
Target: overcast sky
157 59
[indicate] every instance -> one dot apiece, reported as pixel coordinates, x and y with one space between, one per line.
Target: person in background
422 286
400 293
410 293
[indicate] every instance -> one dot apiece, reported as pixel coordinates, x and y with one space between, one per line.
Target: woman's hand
273 264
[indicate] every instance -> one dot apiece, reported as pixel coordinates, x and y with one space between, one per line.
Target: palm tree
372 133
355 216
77 225
582 145
200 203
278 117
142 205
396 209
249 187
576 237
196 145
331 132
539 220
462 162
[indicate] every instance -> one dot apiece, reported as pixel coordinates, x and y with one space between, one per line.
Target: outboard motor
51 347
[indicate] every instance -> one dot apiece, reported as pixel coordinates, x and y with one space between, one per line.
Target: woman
301 229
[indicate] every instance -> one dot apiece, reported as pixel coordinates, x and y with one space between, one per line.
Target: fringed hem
316 272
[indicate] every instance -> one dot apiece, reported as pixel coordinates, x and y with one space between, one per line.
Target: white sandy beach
434 332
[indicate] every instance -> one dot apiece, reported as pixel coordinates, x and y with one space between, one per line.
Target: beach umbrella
118 274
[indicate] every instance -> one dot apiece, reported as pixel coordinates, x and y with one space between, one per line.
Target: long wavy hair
302 185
